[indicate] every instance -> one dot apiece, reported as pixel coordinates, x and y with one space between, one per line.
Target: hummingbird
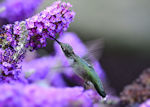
82 68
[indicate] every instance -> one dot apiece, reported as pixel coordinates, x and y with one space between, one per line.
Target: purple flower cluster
53 20
18 95
56 68
17 10
9 69
12 52
16 38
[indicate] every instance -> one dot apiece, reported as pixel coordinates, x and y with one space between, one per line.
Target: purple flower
32 33
145 104
33 95
49 71
53 20
11 53
8 69
17 10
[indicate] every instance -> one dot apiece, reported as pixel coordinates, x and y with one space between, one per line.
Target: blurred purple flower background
18 95
146 103
18 10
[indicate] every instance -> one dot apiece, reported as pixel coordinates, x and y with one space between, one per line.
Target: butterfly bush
17 10
15 40
56 68
18 95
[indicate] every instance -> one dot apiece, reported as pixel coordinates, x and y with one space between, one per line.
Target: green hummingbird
82 68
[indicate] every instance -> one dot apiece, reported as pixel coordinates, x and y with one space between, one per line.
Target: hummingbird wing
95 48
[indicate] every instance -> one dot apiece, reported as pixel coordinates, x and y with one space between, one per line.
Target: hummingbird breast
80 69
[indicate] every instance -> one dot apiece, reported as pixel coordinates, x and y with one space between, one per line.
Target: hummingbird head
67 49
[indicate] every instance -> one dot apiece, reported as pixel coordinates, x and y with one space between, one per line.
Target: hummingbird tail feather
100 91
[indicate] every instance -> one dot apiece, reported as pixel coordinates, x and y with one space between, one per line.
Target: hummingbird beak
55 39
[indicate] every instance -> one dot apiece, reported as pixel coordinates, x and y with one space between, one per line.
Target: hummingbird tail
99 89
